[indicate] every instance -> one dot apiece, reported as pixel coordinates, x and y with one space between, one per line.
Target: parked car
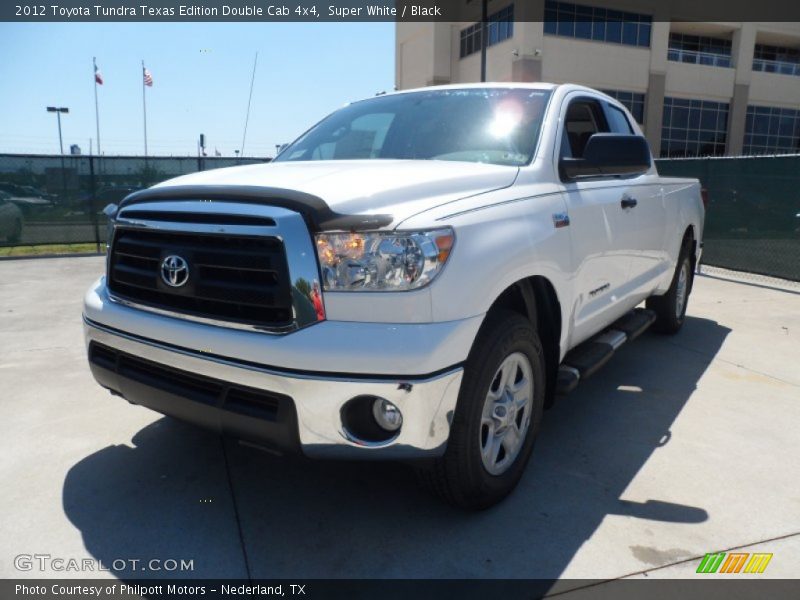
27 198
25 191
11 218
416 277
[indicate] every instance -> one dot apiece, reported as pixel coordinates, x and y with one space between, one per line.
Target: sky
201 81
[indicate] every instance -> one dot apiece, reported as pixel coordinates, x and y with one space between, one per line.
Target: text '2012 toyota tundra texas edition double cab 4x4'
416 277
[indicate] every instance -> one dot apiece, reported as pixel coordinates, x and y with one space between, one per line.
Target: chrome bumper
427 404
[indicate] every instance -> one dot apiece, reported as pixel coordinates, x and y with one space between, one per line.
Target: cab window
584 119
618 121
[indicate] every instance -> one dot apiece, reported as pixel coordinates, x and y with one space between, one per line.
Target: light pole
484 36
58 111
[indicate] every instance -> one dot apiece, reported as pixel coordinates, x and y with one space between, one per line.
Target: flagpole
96 109
144 110
249 99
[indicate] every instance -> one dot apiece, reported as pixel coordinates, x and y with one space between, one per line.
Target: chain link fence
60 199
752 219
753 213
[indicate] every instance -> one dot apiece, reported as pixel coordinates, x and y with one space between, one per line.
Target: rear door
602 228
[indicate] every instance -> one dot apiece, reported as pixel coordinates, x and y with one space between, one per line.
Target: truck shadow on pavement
181 493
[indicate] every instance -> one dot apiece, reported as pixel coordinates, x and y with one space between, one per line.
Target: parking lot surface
679 446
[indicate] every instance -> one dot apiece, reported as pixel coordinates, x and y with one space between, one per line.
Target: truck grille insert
242 279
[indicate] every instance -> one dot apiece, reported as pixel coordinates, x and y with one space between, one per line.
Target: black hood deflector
317 214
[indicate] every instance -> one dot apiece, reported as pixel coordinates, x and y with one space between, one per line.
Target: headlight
382 261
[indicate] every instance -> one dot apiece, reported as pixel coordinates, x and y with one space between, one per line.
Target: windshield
497 125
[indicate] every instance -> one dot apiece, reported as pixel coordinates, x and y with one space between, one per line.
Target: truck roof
541 85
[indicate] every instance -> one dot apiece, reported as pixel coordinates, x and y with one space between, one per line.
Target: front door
602 226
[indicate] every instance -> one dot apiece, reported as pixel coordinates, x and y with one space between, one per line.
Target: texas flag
98 76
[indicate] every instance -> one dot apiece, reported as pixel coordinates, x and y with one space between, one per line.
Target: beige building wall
700 81
769 90
428 53
567 60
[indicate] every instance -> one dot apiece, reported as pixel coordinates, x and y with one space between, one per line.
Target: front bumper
279 410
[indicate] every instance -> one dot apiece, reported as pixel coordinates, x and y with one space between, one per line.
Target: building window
699 50
470 40
693 128
500 27
776 59
771 130
633 101
599 24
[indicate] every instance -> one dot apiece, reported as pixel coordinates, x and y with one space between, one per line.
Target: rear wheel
497 418
670 308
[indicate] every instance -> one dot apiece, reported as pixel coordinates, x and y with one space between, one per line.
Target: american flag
98 76
148 78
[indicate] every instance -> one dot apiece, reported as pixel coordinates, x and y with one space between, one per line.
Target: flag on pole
147 81
98 80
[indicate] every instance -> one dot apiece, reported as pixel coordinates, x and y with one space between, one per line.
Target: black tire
460 477
16 233
669 315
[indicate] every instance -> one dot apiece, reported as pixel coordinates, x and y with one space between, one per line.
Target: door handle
628 202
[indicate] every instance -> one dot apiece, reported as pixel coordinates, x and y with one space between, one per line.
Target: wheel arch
536 299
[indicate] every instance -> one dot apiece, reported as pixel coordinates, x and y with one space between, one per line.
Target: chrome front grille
234 278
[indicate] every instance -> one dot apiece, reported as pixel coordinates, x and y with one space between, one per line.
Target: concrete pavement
680 446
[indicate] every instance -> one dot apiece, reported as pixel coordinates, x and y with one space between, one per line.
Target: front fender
499 245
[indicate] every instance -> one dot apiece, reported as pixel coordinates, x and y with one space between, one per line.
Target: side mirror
609 154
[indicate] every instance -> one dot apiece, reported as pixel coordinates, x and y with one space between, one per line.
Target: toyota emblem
174 270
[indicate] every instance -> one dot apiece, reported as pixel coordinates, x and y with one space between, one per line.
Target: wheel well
690 240
688 235
535 298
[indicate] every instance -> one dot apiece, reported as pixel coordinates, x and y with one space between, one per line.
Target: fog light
386 414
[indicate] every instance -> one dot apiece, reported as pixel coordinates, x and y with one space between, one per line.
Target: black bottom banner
389 589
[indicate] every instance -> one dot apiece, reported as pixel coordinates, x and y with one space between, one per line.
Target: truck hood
400 188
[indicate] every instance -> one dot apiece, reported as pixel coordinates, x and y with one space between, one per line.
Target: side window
584 119
618 121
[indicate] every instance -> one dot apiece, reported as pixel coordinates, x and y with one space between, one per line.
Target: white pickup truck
415 278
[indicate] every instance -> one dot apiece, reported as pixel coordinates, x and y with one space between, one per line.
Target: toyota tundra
417 277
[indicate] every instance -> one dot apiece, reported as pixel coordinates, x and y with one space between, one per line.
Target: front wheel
497 418
670 308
